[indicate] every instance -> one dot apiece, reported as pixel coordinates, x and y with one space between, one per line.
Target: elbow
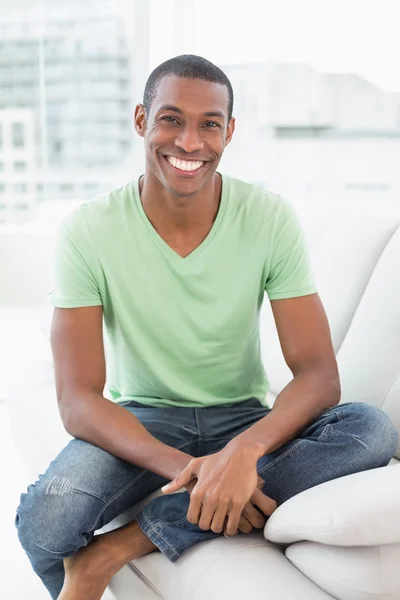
323 383
333 381
76 410
67 413
329 384
335 390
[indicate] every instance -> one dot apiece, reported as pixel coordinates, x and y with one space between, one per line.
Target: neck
180 213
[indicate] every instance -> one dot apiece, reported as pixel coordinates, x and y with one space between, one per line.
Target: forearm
103 423
301 402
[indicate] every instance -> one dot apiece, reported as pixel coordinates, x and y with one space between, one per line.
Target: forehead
191 95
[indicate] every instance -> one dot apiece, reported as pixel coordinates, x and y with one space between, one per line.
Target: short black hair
190 66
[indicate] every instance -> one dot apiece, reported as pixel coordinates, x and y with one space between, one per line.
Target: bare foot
89 571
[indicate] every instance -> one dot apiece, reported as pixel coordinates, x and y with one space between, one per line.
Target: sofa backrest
355 252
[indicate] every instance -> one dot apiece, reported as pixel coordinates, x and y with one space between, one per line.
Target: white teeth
185 165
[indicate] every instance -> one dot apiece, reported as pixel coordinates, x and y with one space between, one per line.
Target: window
2 188
300 131
19 166
1 167
18 135
1 136
365 186
20 188
90 187
57 147
66 188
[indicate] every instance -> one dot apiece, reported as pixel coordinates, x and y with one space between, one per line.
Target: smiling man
157 292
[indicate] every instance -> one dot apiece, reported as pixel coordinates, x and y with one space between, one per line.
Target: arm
77 345
307 348
78 352
306 344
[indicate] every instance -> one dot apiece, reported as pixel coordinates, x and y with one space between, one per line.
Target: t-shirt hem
74 303
294 294
149 402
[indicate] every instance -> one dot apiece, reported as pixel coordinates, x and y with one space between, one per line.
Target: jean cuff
154 533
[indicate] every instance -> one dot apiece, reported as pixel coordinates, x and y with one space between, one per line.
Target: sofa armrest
35 422
361 509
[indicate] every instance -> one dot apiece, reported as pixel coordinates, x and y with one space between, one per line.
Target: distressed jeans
85 487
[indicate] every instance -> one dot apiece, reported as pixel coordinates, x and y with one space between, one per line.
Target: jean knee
55 517
388 434
374 429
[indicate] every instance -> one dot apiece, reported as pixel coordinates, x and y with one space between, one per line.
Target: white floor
19 337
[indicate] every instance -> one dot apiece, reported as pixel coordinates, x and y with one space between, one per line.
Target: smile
185 165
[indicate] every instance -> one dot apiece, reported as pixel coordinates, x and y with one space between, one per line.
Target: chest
184 244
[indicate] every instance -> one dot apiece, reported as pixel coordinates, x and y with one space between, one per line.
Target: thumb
180 481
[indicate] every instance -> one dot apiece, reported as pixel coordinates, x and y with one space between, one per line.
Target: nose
189 140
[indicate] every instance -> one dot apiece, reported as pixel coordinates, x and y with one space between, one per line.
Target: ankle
128 542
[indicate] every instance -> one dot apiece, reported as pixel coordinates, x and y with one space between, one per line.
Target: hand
250 517
226 482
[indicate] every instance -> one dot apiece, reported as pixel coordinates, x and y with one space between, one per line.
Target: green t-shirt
182 331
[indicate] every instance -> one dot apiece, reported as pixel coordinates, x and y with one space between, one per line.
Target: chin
186 188
184 191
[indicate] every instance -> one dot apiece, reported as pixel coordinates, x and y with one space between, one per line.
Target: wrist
249 448
173 463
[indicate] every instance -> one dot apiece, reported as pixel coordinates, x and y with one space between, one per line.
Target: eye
170 119
212 124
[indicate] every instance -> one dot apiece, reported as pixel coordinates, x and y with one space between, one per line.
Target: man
175 267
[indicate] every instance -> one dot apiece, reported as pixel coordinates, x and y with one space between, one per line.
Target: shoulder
95 214
255 201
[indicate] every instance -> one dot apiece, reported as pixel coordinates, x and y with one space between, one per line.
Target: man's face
185 132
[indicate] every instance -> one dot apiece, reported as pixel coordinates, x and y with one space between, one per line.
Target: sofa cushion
354 573
347 245
361 509
369 359
245 566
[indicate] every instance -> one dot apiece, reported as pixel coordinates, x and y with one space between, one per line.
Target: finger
189 486
180 481
194 510
220 515
233 521
260 483
254 516
264 502
206 517
244 525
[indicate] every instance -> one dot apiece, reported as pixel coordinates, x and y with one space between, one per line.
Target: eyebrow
212 113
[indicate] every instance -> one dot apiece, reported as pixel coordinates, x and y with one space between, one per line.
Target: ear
140 120
230 130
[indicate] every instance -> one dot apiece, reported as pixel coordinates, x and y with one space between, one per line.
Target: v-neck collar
204 244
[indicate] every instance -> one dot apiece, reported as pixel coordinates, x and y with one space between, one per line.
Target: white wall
26 265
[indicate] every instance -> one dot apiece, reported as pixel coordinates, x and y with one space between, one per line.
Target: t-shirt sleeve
290 274
74 281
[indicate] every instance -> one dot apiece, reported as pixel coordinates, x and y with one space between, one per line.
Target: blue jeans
86 487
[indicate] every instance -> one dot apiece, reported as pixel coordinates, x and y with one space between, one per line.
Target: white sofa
337 540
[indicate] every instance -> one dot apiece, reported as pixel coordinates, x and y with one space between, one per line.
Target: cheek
156 139
218 145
